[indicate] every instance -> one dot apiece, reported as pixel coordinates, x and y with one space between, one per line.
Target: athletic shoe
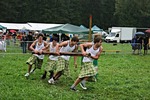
27 74
51 81
82 86
73 89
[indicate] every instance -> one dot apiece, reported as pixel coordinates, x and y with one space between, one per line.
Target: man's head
55 40
74 40
40 37
98 41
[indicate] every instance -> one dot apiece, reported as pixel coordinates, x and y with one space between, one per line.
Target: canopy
96 29
66 28
15 26
2 27
41 26
82 26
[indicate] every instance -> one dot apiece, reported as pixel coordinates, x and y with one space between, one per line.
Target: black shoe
73 89
43 77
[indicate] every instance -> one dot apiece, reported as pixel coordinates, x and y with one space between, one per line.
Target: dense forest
105 13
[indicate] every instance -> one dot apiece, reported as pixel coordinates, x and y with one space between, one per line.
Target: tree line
105 13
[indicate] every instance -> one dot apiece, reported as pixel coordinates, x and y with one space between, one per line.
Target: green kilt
51 65
36 61
63 65
87 70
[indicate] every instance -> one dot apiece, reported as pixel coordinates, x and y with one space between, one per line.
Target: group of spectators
26 38
138 42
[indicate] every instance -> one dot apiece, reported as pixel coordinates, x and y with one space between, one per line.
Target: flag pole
90 31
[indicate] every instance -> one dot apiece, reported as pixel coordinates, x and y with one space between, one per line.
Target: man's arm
32 46
60 45
87 45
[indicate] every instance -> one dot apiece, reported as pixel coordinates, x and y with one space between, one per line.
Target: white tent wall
41 26
16 26
28 26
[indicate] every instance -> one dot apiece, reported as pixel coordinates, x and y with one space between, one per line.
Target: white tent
41 26
29 26
16 26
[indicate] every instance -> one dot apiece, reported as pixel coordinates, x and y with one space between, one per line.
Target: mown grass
121 76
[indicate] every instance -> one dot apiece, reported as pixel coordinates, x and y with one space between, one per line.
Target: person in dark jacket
134 44
146 41
24 43
30 39
139 43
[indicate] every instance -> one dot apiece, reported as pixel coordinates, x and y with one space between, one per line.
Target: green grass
121 77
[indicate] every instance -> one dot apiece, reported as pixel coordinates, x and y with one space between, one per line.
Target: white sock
73 86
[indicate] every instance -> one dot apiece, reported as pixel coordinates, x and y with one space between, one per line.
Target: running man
63 61
36 59
52 60
87 68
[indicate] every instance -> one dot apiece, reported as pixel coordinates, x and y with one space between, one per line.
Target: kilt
63 65
87 70
36 61
51 65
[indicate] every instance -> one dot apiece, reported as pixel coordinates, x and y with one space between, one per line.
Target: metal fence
108 48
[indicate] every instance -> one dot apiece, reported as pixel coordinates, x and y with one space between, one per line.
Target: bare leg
77 81
29 69
28 73
57 75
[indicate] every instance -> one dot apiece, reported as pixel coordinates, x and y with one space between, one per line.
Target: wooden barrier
117 51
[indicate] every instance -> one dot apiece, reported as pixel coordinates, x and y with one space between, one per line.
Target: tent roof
29 26
41 26
2 27
96 29
66 28
82 26
15 25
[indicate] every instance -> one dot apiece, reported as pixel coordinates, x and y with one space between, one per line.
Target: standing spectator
14 37
24 43
30 39
134 44
146 41
8 37
139 41
44 37
51 39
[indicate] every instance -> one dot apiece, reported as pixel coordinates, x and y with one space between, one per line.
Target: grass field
121 76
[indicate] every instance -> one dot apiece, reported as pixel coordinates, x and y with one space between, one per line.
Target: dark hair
39 35
75 39
55 38
97 39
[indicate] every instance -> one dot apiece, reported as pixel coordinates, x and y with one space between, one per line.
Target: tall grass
121 76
